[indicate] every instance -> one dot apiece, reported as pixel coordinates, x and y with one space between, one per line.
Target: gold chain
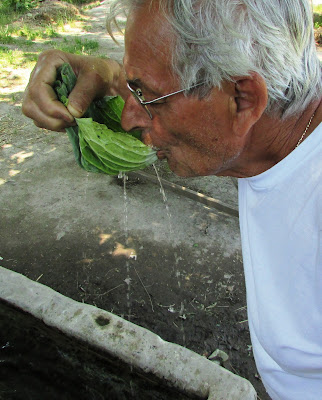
306 129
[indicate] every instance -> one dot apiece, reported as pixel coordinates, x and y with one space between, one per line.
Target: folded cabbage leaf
111 152
99 142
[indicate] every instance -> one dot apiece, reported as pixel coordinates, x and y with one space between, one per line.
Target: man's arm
96 78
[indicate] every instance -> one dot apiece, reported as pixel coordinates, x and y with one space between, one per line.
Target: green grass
25 36
18 7
10 13
317 21
91 5
317 16
7 56
34 33
318 8
77 46
81 2
19 58
5 37
64 17
7 15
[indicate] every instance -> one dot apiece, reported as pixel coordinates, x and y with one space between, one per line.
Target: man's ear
249 102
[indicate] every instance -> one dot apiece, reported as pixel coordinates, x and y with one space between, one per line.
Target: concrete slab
138 347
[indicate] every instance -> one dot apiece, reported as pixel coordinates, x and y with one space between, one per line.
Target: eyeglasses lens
138 95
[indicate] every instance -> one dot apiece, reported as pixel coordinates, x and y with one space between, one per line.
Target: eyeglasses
138 95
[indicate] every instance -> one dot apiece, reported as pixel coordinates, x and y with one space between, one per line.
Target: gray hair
221 39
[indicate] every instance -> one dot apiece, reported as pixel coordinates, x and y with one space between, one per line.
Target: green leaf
112 152
99 142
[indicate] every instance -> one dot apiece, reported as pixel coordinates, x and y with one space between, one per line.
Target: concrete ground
171 265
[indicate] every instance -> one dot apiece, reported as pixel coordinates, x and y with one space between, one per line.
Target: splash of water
128 279
126 235
165 200
85 195
177 259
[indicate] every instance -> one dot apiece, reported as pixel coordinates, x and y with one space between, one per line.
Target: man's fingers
54 122
40 100
95 78
43 101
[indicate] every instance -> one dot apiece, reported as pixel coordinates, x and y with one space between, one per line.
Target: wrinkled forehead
149 43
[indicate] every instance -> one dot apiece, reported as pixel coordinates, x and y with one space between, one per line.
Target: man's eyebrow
135 81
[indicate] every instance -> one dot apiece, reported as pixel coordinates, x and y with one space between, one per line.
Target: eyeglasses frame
140 98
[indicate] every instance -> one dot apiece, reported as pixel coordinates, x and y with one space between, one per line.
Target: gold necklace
304 133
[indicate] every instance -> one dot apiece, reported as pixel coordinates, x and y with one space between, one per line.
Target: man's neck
271 140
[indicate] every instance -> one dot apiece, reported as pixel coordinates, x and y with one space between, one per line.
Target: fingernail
73 111
68 118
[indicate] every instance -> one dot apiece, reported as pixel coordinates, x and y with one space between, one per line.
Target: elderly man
225 87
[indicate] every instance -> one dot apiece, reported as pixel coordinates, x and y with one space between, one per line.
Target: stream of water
179 308
165 201
177 271
126 234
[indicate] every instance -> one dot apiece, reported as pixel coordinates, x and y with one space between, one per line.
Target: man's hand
95 78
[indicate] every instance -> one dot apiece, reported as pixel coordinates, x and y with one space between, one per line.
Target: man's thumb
74 111
80 98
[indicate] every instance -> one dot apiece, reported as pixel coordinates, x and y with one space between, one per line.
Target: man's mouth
146 138
161 154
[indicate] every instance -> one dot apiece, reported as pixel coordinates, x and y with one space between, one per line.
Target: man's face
193 134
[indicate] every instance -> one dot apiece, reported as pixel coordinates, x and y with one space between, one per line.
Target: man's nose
134 116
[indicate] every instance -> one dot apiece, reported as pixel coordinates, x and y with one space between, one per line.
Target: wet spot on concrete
102 321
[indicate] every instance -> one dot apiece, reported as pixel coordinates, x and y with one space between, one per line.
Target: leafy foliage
111 152
19 5
317 19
